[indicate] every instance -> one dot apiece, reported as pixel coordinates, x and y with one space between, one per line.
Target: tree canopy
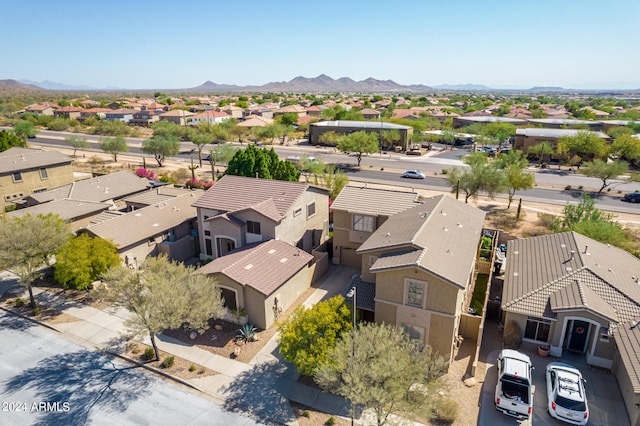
27 244
481 175
25 130
115 146
379 367
309 334
9 140
161 147
263 163
358 143
513 165
587 145
604 171
162 295
84 259
77 142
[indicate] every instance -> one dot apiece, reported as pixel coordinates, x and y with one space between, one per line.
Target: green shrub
567 188
149 353
246 333
37 311
307 414
167 362
330 421
192 368
446 410
19 303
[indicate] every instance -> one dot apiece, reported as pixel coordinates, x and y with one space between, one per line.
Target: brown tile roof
156 195
17 159
263 266
440 236
144 223
101 188
255 121
373 201
272 198
66 209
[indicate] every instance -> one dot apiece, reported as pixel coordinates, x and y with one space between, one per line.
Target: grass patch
477 301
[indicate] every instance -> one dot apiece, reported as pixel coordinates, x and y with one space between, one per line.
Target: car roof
516 363
569 381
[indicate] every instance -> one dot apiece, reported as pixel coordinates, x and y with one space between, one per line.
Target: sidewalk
262 387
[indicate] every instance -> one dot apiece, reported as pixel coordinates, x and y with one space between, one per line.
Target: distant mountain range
319 84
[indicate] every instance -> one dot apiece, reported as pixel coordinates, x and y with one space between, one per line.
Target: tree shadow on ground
11 321
258 393
85 380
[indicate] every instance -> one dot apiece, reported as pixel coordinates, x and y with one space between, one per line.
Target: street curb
23 316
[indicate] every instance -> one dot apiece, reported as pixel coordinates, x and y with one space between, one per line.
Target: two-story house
144 118
422 264
240 210
357 212
24 171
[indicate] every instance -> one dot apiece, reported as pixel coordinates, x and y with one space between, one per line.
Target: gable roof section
628 342
374 202
539 267
264 266
17 159
156 195
272 198
440 236
101 188
66 209
146 222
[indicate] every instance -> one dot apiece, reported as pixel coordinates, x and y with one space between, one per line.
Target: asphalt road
82 387
372 167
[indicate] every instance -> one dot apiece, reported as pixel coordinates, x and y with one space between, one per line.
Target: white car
413 174
567 400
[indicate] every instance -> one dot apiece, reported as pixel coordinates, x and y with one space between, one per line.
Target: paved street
85 387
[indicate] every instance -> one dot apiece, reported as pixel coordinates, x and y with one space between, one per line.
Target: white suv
565 391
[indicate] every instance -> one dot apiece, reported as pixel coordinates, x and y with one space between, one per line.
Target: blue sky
181 44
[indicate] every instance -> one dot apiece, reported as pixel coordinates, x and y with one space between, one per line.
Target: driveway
47 380
603 395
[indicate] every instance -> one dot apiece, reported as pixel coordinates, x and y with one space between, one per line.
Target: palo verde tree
332 179
28 243
162 295
9 140
358 143
604 171
199 136
585 144
77 142
25 130
481 175
378 367
84 259
115 146
540 151
627 148
309 334
221 153
161 147
513 165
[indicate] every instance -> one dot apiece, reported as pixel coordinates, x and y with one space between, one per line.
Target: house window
17 176
208 247
297 212
364 223
537 329
604 334
311 209
415 293
415 333
253 227
229 298
43 174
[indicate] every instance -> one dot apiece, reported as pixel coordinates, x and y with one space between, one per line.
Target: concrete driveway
47 380
603 395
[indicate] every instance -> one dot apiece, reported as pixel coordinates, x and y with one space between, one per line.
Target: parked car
632 197
567 400
514 394
413 174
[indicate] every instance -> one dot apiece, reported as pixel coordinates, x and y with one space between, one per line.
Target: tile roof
373 201
17 158
255 121
100 188
144 223
156 195
66 209
365 293
628 342
440 236
272 198
264 266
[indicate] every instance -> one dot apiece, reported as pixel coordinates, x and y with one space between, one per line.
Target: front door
578 334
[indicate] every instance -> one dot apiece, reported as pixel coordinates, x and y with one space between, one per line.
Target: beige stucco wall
293 228
346 241
58 175
630 398
441 335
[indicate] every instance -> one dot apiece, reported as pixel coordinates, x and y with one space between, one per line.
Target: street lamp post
352 295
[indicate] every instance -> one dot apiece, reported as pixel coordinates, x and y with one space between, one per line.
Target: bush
149 353
37 311
446 410
246 333
567 188
167 362
512 336
330 421
192 368
307 414
19 303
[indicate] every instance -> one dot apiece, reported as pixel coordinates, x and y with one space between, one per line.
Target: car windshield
571 404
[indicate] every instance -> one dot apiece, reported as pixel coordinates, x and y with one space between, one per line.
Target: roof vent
586 250
442 213
248 267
